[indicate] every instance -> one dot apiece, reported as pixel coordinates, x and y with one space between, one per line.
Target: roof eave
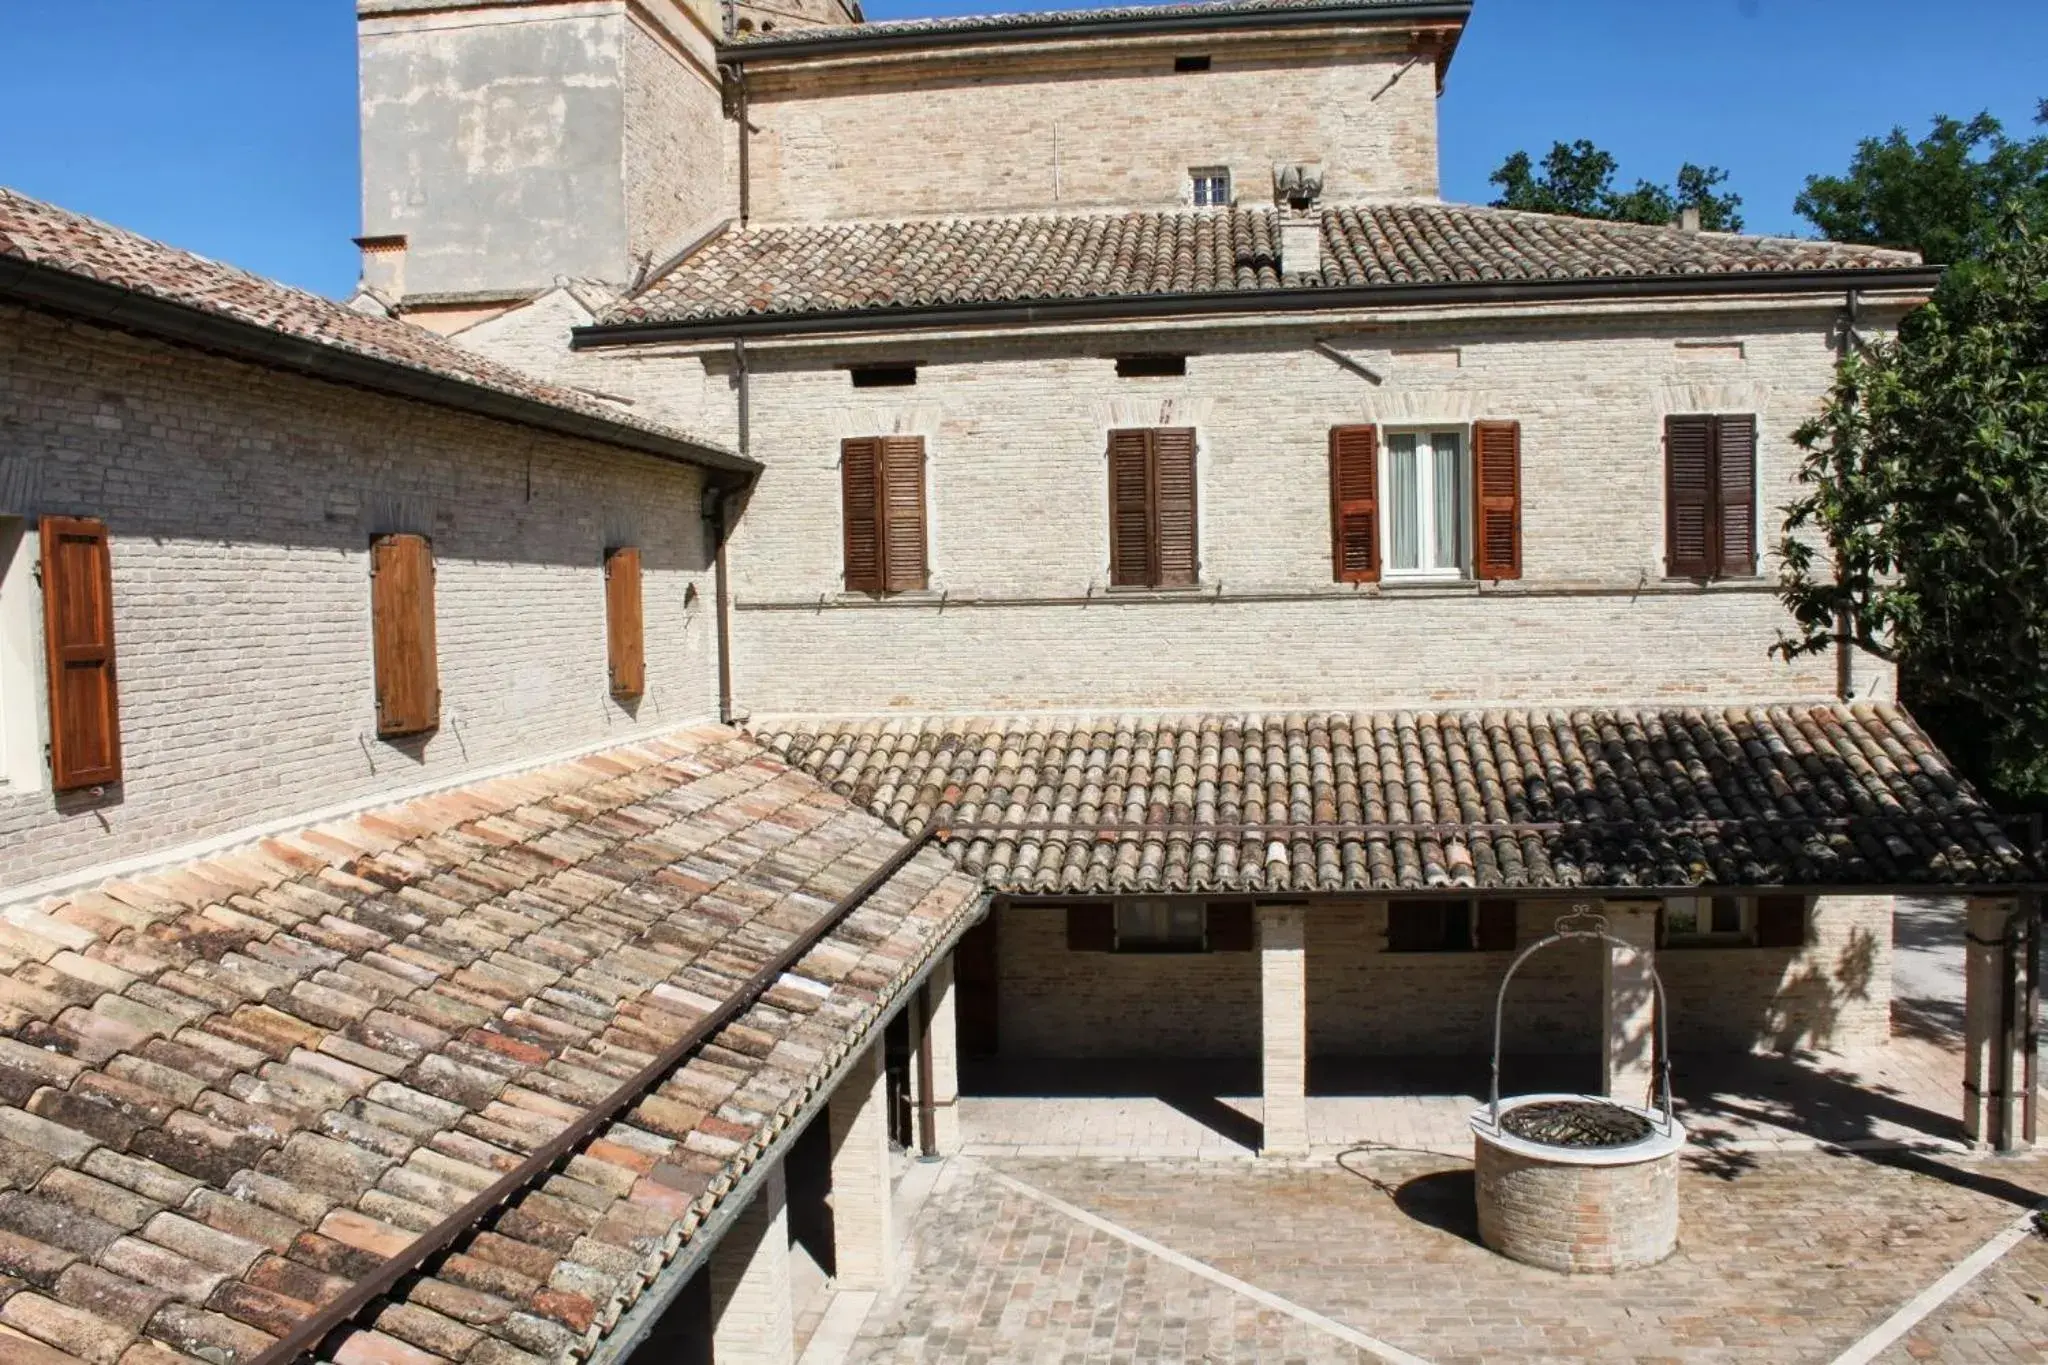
1138 25
50 289
840 322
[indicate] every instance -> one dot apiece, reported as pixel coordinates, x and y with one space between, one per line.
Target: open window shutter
903 520
1173 500
1497 496
1091 928
1231 927
1781 921
1130 509
624 625
1496 926
402 627
860 488
1355 503
78 635
1689 497
1735 464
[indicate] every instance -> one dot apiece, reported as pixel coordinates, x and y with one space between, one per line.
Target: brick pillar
945 1058
1995 1032
1628 1004
1283 1035
863 1222
752 1322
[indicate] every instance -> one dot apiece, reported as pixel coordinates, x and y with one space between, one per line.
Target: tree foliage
1926 479
1578 178
1939 196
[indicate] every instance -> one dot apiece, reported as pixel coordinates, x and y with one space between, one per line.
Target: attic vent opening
1191 63
1150 366
883 376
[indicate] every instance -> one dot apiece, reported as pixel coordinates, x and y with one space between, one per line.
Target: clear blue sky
228 126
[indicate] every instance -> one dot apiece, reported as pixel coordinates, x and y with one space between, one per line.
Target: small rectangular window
1153 539
1708 920
882 500
1209 187
1159 926
1426 503
1151 366
1191 63
884 376
1710 496
1429 926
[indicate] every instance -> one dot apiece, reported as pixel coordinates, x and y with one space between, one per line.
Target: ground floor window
1160 926
1429 926
1733 921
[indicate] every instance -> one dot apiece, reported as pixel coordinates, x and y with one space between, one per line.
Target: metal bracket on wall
1364 372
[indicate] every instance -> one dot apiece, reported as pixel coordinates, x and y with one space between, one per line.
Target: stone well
1577 1209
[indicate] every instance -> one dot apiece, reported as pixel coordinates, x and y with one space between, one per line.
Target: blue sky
228 126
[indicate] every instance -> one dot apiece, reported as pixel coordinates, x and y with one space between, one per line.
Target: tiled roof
229 1090
797 268
1112 15
44 235
1820 795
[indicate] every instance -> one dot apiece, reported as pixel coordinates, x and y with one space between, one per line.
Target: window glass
1426 502
1159 924
1705 917
1429 926
1210 187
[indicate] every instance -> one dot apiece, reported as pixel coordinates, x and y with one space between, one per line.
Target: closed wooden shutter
1496 926
1689 497
625 640
904 565
860 495
1173 494
1735 494
1091 928
402 629
1781 921
1355 504
1130 509
1231 927
1497 500
78 638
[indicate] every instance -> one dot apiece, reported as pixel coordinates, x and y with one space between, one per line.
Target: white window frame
1164 911
1200 175
1425 485
1743 934
21 672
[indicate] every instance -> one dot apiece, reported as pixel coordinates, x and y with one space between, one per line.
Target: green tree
1926 479
1939 196
1577 178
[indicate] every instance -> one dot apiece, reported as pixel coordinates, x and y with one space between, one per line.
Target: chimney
1689 218
1296 188
383 267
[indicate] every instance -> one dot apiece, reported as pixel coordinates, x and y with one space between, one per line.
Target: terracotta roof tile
245 1112
995 23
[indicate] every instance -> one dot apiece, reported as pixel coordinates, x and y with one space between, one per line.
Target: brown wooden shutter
1781 921
78 638
1130 509
1355 504
904 566
860 491
1091 928
402 630
624 624
1497 500
1496 926
1689 497
1735 493
1231 927
1176 558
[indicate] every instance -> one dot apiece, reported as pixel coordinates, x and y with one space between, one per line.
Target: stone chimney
383 267
1296 189
1689 218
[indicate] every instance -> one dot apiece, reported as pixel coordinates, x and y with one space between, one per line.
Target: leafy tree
1926 478
1937 196
1578 178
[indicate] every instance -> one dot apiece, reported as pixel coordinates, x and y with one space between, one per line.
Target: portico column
863 1222
752 1322
1283 1032
1995 1027
945 1058
1629 1003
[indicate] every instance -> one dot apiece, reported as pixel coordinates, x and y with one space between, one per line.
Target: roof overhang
1237 302
49 289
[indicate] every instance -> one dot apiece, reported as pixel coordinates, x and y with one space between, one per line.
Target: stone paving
1785 1256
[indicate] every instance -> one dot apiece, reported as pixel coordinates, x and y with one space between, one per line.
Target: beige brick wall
677 173
1081 126
1018 615
1363 1001
240 503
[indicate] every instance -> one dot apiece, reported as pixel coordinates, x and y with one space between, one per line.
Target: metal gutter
1118 25
312 1331
840 322
49 289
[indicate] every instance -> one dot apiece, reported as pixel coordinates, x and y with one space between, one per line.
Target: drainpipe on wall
1845 653
726 514
739 76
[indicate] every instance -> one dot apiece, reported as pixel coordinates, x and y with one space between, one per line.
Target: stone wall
677 145
1096 125
1019 614
240 504
1364 1001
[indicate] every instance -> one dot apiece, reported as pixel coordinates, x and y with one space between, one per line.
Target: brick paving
1784 1256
